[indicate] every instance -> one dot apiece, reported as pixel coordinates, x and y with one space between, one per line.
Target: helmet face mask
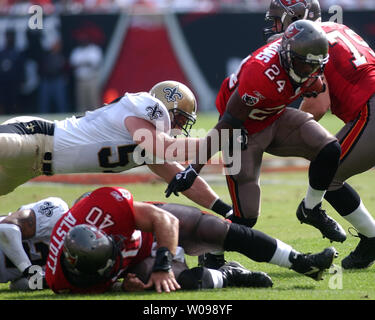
180 102
304 51
283 13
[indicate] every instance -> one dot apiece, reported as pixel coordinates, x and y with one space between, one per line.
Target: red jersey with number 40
350 71
263 85
109 209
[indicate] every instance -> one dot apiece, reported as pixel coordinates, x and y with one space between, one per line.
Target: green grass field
281 194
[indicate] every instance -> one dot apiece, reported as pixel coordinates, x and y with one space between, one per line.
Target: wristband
163 260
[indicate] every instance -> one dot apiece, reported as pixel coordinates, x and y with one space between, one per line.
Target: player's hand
182 181
163 281
132 283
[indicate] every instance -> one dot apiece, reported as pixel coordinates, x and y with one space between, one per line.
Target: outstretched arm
165 226
200 192
234 117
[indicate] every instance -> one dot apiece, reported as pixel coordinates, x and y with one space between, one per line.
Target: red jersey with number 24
350 71
110 209
263 85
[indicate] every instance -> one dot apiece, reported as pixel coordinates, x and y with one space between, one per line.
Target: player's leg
244 187
201 233
23 142
297 134
358 155
230 275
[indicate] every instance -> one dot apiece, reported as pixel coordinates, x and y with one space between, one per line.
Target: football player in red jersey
107 232
350 82
256 98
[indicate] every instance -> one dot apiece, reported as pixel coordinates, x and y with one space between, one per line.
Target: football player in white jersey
105 139
24 239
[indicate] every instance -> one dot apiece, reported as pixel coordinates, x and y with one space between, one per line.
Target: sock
254 244
362 220
217 278
344 200
281 256
347 202
313 197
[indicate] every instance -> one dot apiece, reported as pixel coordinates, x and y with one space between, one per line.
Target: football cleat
363 256
318 218
235 275
211 261
313 265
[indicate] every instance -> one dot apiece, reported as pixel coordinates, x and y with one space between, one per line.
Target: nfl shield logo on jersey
250 100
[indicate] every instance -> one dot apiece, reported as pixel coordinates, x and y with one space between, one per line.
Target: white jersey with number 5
47 212
100 141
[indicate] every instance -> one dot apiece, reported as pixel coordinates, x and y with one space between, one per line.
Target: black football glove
182 181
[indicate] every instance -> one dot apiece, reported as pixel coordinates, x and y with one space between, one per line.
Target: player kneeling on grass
107 233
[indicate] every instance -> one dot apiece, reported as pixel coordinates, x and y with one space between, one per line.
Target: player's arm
234 117
159 143
165 227
18 226
200 192
319 105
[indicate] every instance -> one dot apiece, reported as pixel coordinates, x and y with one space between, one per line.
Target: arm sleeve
11 245
147 107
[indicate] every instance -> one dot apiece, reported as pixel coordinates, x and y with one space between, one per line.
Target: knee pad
323 168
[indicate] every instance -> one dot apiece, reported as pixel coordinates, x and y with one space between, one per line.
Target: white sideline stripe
188 63
114 47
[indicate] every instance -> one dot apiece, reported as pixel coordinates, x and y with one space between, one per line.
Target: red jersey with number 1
263 85
350 71
109 209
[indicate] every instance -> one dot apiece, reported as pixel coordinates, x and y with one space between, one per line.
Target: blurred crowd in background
62 76
79 6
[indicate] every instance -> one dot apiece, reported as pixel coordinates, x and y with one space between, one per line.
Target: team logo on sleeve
154 112
250 100
172 94
47 209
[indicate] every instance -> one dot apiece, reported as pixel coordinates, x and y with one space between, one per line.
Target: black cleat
235 275
363 256
313 265
318 218
211 261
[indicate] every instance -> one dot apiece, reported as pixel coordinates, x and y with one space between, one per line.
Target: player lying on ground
25 236
106 233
